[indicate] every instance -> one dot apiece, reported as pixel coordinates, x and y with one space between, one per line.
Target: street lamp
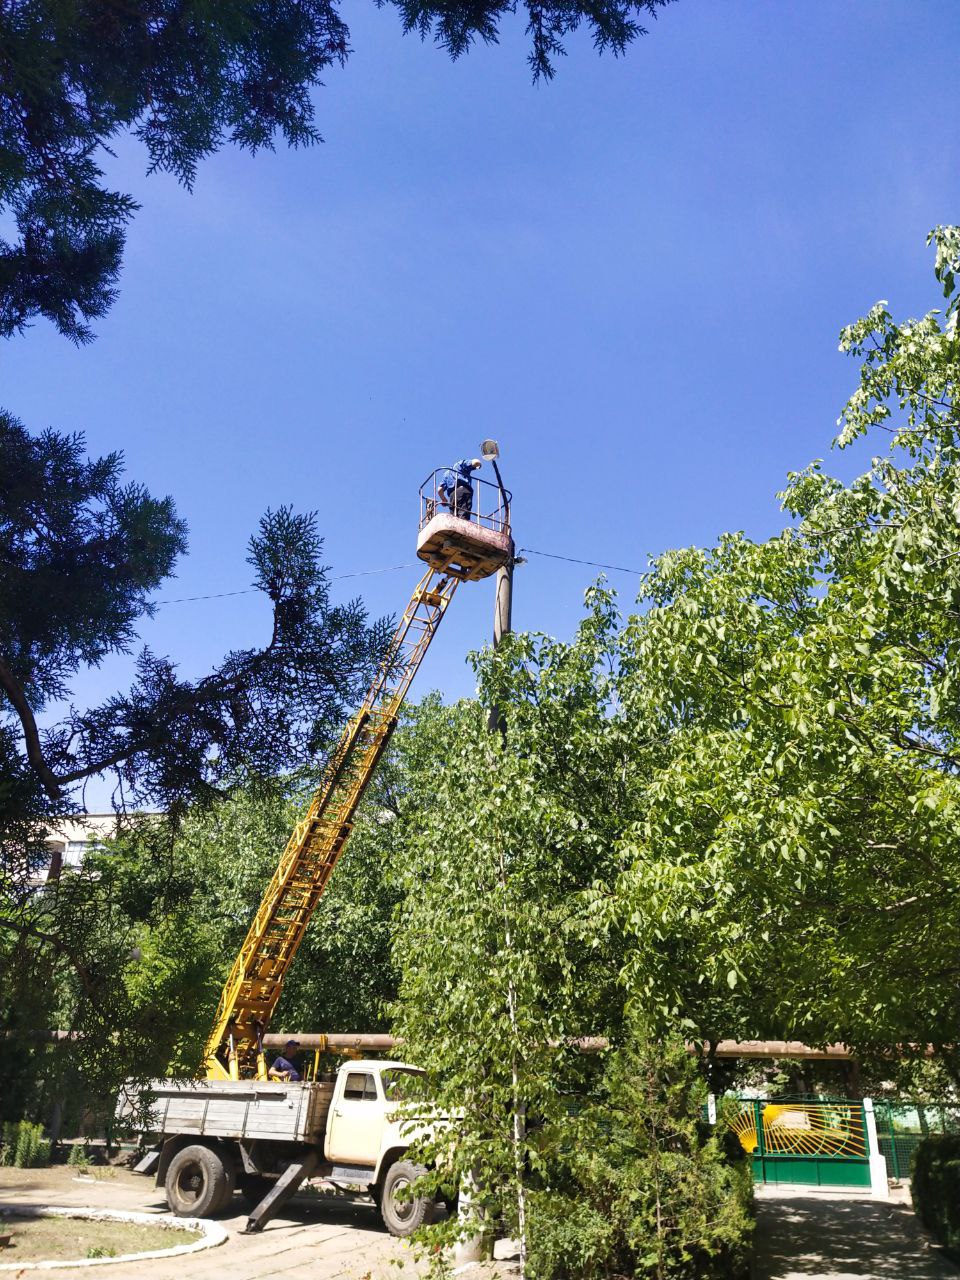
490 451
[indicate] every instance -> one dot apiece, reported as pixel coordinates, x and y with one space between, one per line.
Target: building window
75 852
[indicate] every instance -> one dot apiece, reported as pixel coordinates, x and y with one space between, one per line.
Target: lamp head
490 449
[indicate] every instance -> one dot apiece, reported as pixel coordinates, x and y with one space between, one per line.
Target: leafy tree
510 960
798 840
184 76
503 966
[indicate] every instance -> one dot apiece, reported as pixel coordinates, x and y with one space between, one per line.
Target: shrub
79 1157
23 1145
645 1190
935 1187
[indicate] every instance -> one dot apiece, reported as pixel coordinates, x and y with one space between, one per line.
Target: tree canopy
82 553
131 948
734 811
185 77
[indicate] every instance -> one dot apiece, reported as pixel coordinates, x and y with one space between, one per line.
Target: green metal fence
814 1141
902 1125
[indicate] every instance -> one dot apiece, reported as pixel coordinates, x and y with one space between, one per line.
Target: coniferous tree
184 76
82 552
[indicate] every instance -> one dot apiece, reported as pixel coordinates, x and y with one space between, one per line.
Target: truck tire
402 1217
199 1183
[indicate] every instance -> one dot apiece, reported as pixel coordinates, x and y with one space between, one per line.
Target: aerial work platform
469 546
460 541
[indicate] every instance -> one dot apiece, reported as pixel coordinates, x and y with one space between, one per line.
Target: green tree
777 726
184 77
511 966
733 814
82 554
503 965
797 841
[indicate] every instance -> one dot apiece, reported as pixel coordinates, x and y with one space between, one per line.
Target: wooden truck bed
287 1112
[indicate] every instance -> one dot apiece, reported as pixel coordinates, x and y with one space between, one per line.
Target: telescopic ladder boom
253 988
456 549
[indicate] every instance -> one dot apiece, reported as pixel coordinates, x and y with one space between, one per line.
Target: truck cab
268 1137
364 1130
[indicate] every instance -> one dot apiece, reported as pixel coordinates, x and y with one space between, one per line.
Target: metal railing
444 492
903 1124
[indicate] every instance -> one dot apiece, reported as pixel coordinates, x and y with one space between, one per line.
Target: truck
264 1138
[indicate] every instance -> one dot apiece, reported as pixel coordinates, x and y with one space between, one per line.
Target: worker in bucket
456 487
284 1065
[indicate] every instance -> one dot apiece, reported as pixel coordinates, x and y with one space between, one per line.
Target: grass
36 1239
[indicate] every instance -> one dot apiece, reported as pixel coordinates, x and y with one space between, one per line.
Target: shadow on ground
800 1236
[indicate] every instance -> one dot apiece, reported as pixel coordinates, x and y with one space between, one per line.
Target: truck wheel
198 1183
402 1217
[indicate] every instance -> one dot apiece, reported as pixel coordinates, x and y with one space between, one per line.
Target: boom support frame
252 990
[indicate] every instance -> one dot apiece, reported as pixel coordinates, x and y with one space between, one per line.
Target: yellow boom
253 987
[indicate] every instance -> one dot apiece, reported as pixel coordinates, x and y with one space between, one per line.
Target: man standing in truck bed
284 1066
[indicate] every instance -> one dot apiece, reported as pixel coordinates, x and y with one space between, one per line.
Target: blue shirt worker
456 487
284 1066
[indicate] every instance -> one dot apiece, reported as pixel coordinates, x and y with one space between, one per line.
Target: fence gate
820 1143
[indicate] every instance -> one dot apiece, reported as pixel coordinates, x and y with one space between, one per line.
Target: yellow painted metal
252 990
804 1129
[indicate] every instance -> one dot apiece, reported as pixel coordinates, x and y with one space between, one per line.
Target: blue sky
634 277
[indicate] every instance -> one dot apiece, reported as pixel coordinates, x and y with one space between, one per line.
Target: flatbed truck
265 1138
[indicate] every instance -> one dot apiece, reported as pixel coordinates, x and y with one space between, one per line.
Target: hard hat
476 462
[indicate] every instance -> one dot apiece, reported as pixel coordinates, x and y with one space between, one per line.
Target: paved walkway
810 1236
800 1236
331 1241
323 1238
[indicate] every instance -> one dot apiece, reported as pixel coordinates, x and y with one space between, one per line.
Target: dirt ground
334 1241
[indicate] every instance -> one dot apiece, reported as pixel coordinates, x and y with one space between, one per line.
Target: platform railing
489 508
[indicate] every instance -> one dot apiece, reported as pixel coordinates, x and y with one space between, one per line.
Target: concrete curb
212 1234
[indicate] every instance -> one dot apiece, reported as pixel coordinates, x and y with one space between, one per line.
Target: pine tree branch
31 931
14 691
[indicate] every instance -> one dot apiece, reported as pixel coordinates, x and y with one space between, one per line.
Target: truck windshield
395 1080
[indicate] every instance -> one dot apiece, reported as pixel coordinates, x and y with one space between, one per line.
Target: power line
365 573
246 591
617 568
217 595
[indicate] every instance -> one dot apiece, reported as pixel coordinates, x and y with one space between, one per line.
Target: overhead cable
392 568
246 591
617 568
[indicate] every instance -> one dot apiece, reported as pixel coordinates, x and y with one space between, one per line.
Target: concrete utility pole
502 616
503 605
479 1248
503 602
